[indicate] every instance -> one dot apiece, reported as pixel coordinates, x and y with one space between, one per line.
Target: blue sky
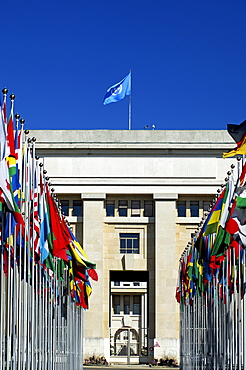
187 60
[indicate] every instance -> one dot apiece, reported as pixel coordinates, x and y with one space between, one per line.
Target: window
116 304
129 243
116 283
136 305
65 207
77 208
206 206
123 208
126 304
110 208
135 205
194 208
148 208
181 206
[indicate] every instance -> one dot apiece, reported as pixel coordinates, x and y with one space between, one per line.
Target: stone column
93 213
165 342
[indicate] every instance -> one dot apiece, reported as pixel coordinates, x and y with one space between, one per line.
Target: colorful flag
237 132
44 223
118 91
59 239
212 222
240 149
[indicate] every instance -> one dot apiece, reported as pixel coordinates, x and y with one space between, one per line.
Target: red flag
60 241
93 274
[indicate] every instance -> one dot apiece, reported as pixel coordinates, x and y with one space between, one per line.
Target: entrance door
126 342
128 329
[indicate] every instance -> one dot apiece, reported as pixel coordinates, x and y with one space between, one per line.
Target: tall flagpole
130 103
129 112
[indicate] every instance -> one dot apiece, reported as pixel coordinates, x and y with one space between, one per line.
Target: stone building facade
134 198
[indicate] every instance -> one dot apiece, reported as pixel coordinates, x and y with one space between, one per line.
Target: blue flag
118 91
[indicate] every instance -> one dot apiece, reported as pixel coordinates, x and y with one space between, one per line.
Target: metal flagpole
20 285
2 296
130 105
32 256
243 313
129 111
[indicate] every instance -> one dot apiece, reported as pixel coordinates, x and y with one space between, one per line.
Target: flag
34 222
78 252
238 133
212 223
59 239
11 158
118 91
240 149
44 223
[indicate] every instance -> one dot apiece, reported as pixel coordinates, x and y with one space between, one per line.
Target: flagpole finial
12 97
17 116
5 91
34 139
26 131
45 171
37 157
22 121
40 164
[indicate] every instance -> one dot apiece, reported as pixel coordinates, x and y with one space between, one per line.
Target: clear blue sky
188 62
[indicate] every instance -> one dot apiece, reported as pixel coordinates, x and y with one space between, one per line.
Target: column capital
95 196
165 196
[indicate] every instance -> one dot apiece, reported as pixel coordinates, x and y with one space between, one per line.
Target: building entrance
126 342
129 314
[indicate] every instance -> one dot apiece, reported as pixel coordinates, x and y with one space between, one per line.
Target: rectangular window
116 304
126 304
135 206
181 207
65 207
194 208
148 208
110 205
123 208
136 305
206 206
129 243
77 208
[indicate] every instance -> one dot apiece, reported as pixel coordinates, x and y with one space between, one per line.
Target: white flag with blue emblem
118 91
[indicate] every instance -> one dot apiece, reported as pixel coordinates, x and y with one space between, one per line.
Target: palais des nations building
134 198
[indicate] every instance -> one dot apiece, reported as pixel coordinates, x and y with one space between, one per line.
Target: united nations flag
118 91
